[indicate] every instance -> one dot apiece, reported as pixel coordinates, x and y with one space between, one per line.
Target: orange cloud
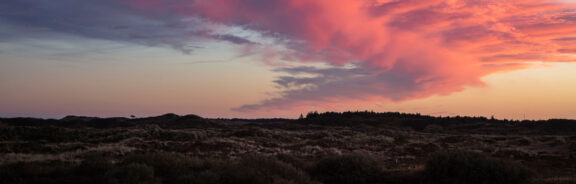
397 49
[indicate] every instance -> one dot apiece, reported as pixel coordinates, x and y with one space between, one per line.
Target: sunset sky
278 58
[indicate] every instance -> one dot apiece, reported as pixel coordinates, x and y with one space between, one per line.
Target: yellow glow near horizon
160 81
143 81
538 93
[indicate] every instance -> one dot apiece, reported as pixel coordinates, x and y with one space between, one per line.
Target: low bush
132 173
256 169
346 169
171 167
37 172
473 168
95 168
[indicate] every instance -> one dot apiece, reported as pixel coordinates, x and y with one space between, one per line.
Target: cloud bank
385 50
399 49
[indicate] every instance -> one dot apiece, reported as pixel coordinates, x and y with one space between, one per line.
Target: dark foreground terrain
350 147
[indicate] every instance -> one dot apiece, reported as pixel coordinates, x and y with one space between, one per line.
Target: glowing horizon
261 58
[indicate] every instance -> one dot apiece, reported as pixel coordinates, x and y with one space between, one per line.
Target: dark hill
168 121
417 122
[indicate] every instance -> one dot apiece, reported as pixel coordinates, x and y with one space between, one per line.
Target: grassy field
350 147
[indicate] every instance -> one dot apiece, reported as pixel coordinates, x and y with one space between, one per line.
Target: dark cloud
104 19
233 39
566 39
570 51
311 85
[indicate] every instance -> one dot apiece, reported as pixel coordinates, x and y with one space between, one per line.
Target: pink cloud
399 49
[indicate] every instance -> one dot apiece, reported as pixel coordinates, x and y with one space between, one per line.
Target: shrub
348 169
252 132
255 169
12 173
473 168
433 128
95 165
294 161
132 173
172 167
94 168
37 172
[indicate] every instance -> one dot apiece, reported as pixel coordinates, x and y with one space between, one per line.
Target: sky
509 59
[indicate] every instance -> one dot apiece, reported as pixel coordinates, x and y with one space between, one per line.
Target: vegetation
474 168
420 122
348 169
349 147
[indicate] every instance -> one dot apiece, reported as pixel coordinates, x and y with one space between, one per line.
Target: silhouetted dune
164 121
174 121
415 122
